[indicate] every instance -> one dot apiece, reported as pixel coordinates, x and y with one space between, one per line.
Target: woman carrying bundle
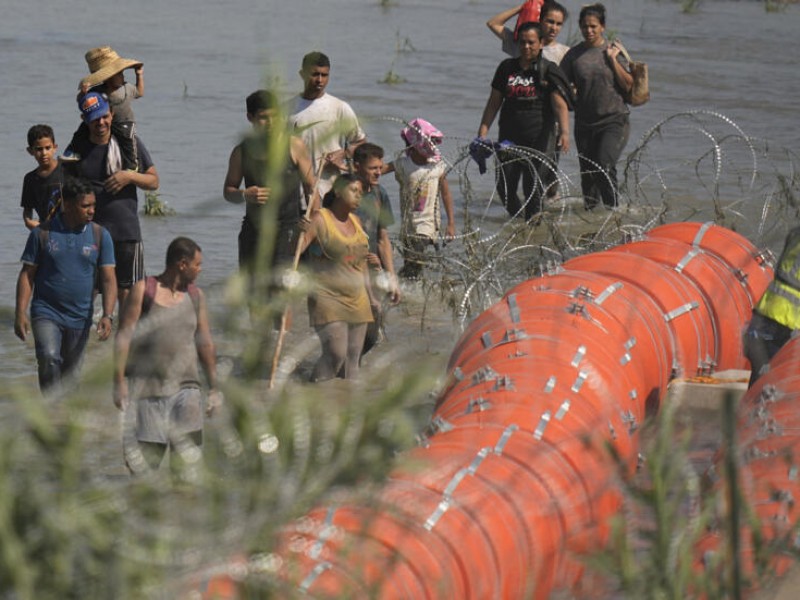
601 77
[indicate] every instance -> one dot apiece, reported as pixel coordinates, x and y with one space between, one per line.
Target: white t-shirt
554 52
419 197
325 124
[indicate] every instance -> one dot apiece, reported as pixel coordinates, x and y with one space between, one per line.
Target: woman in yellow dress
339 305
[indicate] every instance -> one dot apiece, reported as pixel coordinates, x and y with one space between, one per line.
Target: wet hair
341 182
75 187
181 248
529 26
593 10
552 6
38 132
367 151
261 100
315 59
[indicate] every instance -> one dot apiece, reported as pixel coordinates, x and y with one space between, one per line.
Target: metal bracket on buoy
539 431
318 570
682 263
577 308
576 360
582 291
447 494
480 403
439 424
701 233
513 335
503 383
486 340
484 374
607 292
629 418
562 410
765 258
681 310
325 532
582 376
513 308
501 443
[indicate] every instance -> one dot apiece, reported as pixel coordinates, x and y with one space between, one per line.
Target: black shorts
129 257
283 248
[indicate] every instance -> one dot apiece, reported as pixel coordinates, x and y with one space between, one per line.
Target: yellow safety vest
781 300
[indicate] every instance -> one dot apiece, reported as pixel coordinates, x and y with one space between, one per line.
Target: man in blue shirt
59 269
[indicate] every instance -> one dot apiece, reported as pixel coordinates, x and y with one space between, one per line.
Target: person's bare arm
129 316
387 262
302 158
561 111
493 105
207 353
108 286
231 192
139 71
623 78
22 323
144 181
27 218
309 233
447 201
497 23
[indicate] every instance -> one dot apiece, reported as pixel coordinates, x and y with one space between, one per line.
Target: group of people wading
310 183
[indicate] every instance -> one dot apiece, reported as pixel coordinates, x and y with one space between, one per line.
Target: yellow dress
338 262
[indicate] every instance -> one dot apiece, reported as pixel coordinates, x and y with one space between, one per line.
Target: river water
727 59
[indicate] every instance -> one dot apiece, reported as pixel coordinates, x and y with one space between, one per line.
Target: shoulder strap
98 237
623 51
150 283
149 296
44 235
541 69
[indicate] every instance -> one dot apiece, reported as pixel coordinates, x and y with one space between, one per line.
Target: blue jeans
59 350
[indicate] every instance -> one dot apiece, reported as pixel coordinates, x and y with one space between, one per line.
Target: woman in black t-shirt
531 93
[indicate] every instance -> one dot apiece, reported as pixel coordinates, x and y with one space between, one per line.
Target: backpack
150 284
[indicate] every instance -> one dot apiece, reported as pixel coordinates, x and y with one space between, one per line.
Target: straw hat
104 62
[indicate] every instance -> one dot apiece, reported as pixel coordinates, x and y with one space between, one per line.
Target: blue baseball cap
93 106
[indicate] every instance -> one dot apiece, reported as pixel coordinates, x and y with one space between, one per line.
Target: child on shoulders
107 77
422 176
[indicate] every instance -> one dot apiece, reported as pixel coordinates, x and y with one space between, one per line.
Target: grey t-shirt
121 100
598 96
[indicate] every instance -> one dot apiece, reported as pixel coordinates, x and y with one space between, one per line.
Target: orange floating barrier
517 473
709 275
685 309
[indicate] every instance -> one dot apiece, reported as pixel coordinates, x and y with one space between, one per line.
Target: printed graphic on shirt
521 86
